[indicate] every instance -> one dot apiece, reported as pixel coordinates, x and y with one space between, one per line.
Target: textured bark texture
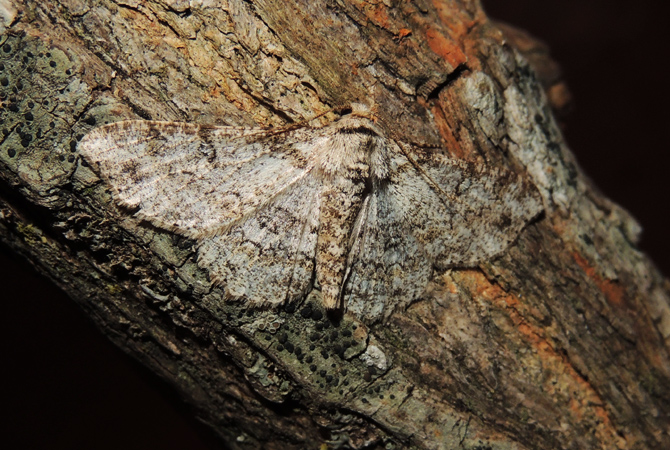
560 343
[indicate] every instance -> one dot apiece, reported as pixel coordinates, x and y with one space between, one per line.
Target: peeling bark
562 342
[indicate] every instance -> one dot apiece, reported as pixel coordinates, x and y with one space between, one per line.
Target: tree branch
561 342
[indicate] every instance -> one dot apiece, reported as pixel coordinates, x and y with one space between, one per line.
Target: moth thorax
347 152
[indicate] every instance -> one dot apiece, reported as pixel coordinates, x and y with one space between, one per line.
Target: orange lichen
584 401
614 293
452 142
376 13
402 34
445 47
214 92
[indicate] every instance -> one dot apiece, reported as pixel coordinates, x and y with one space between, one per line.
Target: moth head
363 110
359 118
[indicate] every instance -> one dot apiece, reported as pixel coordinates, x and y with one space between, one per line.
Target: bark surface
560 343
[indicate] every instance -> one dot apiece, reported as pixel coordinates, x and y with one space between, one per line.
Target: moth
340 207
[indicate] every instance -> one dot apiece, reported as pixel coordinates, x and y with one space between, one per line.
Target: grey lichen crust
371 218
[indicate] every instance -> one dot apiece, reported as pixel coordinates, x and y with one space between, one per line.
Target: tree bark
560 343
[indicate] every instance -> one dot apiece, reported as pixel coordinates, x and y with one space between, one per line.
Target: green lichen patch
42 99
322 354
172 253
386 393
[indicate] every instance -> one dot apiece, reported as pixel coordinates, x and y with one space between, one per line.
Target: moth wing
196 180
469 213
389 268
438 212
269 257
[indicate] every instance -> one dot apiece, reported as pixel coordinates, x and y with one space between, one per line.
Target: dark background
66 386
